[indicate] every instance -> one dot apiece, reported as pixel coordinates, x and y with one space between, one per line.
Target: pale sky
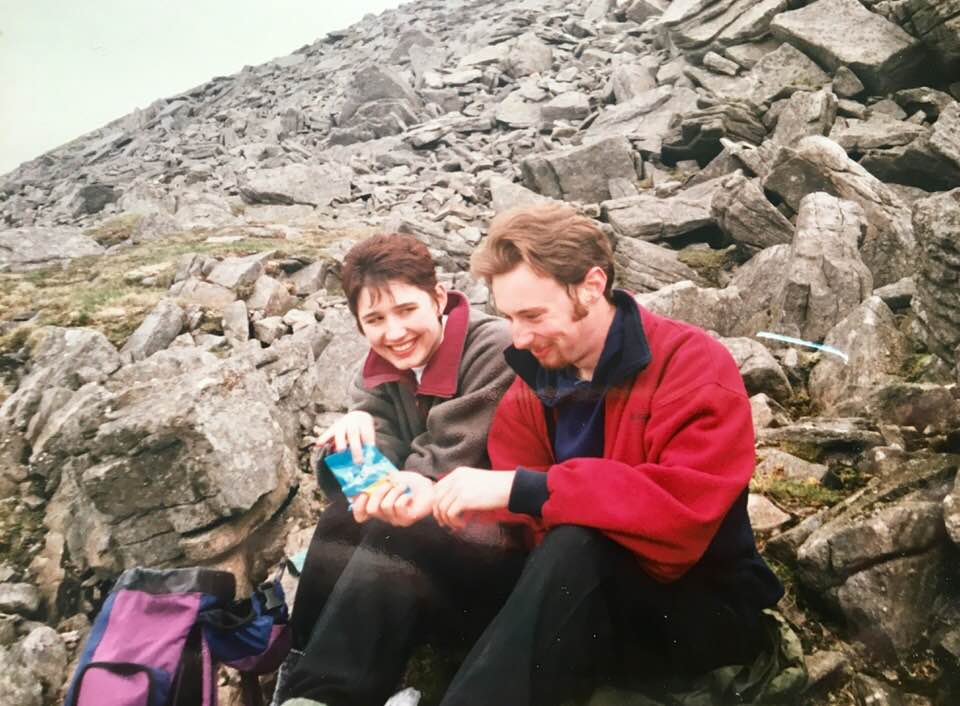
71 66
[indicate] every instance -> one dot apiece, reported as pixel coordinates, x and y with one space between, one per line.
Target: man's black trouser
574 613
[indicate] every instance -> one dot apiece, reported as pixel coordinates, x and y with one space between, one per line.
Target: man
626 443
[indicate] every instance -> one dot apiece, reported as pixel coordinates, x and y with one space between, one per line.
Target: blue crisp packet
357 478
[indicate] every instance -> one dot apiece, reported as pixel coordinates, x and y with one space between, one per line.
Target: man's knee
572 554
573 539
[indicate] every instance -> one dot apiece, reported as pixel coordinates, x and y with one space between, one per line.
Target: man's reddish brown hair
552 239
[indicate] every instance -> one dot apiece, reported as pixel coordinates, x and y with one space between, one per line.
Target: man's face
541 316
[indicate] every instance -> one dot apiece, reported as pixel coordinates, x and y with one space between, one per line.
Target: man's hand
392 503
466 489
353 429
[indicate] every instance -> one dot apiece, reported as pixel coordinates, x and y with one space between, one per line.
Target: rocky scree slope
172 326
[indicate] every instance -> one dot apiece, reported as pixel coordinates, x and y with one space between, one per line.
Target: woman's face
402 322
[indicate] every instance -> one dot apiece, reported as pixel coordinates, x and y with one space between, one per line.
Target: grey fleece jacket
443 422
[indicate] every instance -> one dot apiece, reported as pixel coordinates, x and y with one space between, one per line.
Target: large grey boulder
338 364
927 407
781 73
937 23
764 515
494 54
826 279
28 248
45 653
699 25
760 370
646 267
528 55
372 83
238 273
743 213
175 461
766 412
581 173
571 106
704 134
778 74
818 164
845 33
875 349
709 308
60 358
644 119
20 599
627 81
878 132
269 329
271 297
193 291
945 138
517 112
505 194
156 332
805 113
759 281
642 10
937 302
314 185
898 516
774 462
650 217
889 606
236 323
880 557
930 160
19 683
312 278
951 512
821 439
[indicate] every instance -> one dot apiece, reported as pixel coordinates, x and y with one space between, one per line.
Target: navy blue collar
625 353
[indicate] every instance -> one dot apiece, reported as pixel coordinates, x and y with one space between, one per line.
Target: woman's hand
393 503
353 430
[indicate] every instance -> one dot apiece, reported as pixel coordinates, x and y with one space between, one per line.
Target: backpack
161 634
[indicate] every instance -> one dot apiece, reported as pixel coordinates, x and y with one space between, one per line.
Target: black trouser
334 540
399 587
584 614
581 613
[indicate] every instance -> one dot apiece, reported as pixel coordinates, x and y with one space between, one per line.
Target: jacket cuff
528 493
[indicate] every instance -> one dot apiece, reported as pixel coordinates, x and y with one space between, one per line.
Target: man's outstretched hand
469 489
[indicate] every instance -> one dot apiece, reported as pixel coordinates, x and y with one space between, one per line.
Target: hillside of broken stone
172 326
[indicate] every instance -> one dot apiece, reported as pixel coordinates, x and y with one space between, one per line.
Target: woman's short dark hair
390 256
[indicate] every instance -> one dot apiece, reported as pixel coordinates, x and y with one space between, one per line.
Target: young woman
425 397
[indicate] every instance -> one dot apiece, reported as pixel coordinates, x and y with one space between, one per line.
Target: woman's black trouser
399 587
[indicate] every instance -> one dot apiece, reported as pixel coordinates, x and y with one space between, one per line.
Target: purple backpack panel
134 654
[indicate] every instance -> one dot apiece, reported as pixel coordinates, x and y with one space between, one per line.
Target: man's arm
699 456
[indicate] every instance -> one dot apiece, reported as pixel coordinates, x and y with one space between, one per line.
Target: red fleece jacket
678 451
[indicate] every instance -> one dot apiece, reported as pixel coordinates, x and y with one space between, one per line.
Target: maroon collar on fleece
439 378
